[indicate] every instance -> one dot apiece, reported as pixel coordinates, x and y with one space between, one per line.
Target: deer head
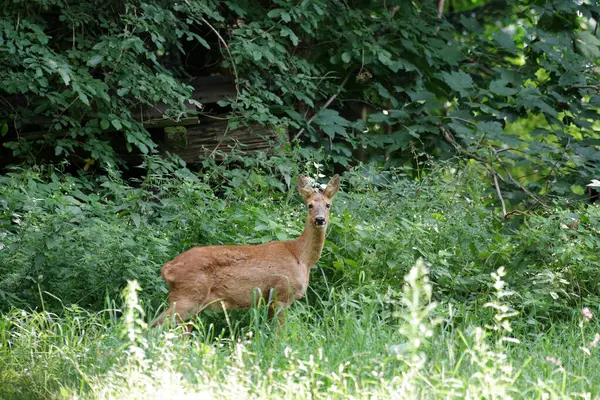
318 202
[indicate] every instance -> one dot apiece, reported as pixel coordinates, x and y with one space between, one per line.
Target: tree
513 86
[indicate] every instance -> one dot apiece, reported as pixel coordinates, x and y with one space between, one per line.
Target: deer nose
320 220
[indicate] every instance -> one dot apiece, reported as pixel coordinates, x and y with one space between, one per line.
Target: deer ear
332 187
304 187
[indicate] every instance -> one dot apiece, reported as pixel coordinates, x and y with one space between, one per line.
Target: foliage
513 85
87 68
75 240
372 325
348 348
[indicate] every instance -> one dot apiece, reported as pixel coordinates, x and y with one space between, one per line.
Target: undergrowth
76 239
397 345
409 300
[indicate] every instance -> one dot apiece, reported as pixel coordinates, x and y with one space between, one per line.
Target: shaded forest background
512 85
103 101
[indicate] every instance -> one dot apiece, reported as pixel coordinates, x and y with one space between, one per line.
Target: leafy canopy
513 85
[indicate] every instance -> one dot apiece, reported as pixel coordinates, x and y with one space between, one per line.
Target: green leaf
84 99
401 63
451 54
281 236
422 95
505 41
287 32
278 12
346 57
458 81
528 97
588 45
136 219
499 87
294 115
577 189
492 130
64 74
571 78
546 109
4 129
331 123
143 148
117 124
51 242
461 130
97 59
470 23
285 16
274 13
104 124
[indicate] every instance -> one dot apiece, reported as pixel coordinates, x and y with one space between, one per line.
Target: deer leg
181 308
184 307
277 310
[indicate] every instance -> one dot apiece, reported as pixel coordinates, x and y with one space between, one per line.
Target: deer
229 277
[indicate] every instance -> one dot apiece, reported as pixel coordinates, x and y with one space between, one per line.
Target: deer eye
310 206
328 205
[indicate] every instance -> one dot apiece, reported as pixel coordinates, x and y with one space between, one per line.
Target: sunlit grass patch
393 345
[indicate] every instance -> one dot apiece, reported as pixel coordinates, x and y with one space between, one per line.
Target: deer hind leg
181 308
277 310
184 308
277 303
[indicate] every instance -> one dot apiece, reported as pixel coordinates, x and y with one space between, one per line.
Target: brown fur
229 276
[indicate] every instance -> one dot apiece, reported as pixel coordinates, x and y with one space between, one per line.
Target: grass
369 327
352 346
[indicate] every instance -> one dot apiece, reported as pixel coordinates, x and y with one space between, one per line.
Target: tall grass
396 345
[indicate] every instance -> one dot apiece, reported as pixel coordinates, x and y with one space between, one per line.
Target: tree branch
517 183
499 193
450 139
440 9
495 175
595 87
466 121
212 28
327 103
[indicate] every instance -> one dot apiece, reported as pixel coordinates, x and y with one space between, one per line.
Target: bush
75 239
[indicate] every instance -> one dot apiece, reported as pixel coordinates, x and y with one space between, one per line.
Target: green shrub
77 239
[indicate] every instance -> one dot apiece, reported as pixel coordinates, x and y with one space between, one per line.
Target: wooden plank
207 90
211 138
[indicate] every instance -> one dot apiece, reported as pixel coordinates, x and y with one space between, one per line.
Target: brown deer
227 277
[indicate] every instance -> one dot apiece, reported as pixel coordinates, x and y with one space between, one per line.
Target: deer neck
310 244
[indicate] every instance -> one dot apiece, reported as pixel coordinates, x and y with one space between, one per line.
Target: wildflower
555 361
587 314
586 350
594 343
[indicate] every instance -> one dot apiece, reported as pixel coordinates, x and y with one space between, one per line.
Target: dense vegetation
513 85
462 256
70 244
